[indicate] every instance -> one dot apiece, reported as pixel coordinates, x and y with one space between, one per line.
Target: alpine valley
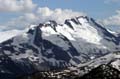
78 49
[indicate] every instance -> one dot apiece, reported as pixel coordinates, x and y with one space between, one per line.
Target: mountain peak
84 25
53 24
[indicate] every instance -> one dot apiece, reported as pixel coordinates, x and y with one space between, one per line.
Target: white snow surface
9 34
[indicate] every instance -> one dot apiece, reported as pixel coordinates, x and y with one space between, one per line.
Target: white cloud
21 22
113 20
58 14
16 5
41 15
2 28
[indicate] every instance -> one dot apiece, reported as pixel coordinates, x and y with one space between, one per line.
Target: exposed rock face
102 72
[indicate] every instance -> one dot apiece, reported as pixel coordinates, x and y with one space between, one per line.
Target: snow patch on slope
9 34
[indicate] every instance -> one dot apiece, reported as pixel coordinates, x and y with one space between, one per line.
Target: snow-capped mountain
50 45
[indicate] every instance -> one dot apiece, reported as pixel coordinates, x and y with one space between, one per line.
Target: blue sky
106 11
94 8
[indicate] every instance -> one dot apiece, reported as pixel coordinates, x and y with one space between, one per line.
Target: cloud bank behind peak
41 15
